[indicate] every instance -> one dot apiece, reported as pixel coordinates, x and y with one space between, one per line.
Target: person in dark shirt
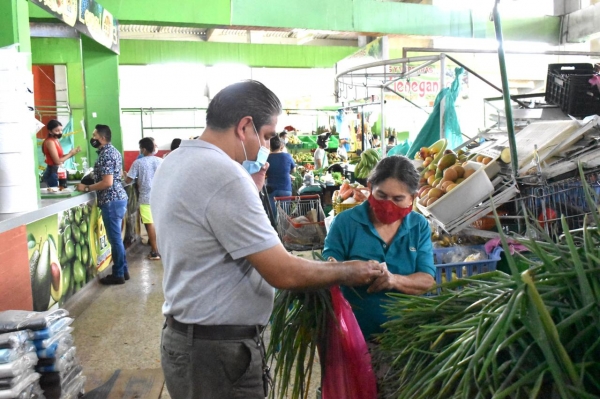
112 200
281 165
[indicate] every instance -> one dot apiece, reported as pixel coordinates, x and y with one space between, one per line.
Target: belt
215 332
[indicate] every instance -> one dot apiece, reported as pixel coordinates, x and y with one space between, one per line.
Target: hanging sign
88 17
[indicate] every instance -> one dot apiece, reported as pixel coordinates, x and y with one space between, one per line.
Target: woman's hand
75 150
387 281
80 187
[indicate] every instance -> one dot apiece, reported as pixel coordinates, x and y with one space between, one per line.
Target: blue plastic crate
471 268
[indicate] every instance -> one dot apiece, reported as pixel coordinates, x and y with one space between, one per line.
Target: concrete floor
118 327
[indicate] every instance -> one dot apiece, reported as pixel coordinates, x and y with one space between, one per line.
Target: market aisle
121 327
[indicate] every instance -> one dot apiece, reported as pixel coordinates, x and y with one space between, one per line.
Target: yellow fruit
429 173
458 181
460 171
505 155
445 185
450 174
436 182
432 166
423 191
426 162
430 201
435 193
447 161
430 180
451 187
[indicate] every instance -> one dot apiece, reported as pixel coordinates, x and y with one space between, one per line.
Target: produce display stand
300 222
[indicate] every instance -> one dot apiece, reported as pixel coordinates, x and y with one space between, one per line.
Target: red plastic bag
347 369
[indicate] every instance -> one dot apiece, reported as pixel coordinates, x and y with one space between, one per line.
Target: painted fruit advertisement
44 264
67 251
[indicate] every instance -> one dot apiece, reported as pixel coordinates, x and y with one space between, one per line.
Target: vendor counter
50 254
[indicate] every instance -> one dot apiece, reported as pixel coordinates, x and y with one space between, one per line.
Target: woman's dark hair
396 167
104 131
275 143
175 144
282 135
247 98
53 124
147 144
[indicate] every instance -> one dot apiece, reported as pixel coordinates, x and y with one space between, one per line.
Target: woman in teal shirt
385 229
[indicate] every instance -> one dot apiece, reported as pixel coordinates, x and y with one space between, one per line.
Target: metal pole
442 87
506 92
382 133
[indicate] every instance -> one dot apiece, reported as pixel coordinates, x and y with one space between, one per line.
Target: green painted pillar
101 78
14 19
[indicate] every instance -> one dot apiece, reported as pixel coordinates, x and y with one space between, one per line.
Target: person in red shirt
54 153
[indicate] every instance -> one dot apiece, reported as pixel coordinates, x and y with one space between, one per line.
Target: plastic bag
56 326
347 371
10 355
62 364
430 132
19 366
8 383
45 343
15 320
17 390
57 349
52 380
13 339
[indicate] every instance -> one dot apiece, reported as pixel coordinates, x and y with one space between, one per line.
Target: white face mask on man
261 157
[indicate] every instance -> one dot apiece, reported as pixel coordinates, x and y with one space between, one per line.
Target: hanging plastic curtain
67 143
430 133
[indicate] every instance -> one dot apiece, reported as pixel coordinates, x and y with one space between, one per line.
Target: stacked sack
18 358
60 374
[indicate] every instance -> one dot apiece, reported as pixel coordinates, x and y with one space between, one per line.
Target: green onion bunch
298 327
534 334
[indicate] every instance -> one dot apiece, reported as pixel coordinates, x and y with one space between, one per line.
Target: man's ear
244 127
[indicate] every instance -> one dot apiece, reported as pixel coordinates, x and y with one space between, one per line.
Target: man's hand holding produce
361 272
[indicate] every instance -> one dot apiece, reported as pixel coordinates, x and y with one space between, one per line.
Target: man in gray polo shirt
220 254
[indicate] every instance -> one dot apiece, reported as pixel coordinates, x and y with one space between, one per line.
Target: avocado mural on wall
66 251
44 267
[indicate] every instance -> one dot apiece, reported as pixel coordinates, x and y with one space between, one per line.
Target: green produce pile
303 157
527 335
75 176
368 160
44 271
298 323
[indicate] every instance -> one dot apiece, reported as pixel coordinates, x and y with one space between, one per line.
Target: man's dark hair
104 131
175 144
147 144
391 140
236 101
53 124
375 136
275 143
396 167
282 135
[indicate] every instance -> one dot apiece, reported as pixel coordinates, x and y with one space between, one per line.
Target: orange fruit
430 180
486 160
435 193
451 187
450 174
479 158
460 171
468 172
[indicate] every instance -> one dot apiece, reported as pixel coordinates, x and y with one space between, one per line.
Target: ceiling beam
581 25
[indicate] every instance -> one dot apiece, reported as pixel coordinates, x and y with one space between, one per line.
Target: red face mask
386 211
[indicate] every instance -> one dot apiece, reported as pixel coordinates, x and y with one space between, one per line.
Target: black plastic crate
568 87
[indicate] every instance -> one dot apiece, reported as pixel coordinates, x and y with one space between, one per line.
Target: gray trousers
211 369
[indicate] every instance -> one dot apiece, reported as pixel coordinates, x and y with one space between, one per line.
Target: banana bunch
368 160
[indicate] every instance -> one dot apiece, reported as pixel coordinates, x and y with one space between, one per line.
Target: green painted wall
101 77
256 55
52 51
336 15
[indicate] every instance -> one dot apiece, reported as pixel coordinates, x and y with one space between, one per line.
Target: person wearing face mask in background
112 200
53 152
284 140
143 170
385 229
220 254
